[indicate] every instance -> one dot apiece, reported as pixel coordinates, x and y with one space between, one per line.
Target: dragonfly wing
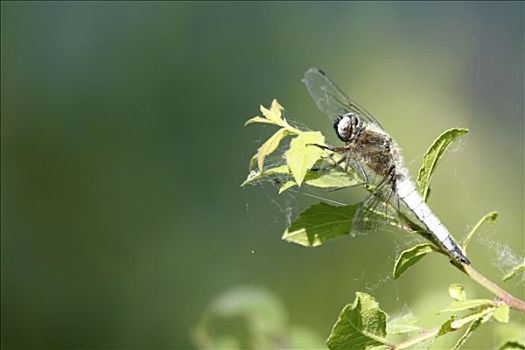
327 96
380 209
330 99
383 208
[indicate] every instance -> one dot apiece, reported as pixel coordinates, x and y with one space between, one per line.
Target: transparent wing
330 99
383 208
380 209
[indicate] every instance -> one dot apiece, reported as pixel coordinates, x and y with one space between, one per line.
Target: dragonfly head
346 126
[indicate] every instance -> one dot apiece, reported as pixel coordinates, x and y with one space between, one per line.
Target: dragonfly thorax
346 126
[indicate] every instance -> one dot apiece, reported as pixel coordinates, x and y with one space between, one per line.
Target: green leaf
434 154
256 175
471 328
489 218
456 306
287 185
411 256
446 327
270 116
269 146
457 291
302 155
515 271
512 345
259 120
274 113
332 178
252 176
253 162
361 325
501 313
273 116
278 170
319 223
327 178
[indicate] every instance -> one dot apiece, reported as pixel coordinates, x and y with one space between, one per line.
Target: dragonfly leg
337 163
361 171
330 148
325 147
347 161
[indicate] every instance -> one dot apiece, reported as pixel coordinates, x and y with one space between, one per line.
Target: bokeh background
123 149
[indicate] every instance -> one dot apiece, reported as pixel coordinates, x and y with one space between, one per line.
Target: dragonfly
373 154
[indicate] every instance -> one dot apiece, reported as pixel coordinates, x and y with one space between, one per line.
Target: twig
503 295
430 333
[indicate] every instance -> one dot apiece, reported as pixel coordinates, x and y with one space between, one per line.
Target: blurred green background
123 148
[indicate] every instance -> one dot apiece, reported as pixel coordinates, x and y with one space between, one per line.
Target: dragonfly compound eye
336 121
343 126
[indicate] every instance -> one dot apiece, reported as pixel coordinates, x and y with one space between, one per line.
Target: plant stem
417 339
430 333
503 295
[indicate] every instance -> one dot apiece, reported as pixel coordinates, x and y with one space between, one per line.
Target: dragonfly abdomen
407 191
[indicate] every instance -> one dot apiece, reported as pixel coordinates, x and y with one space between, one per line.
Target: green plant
362 324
